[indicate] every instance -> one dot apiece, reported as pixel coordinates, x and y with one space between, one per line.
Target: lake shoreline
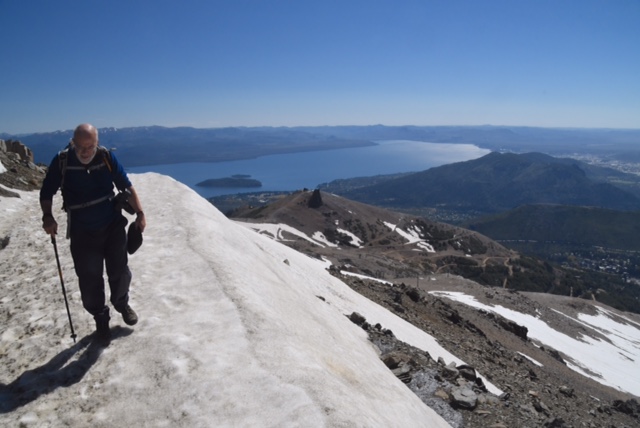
295 171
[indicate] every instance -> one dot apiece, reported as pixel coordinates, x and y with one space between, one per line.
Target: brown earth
535 396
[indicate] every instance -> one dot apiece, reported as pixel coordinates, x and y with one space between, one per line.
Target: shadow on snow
42 380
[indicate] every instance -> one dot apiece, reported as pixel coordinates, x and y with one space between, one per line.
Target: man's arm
134 201
50 186
49 223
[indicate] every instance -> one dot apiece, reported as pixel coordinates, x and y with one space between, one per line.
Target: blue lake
295 171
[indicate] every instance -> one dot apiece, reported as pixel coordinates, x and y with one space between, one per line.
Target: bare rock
464 397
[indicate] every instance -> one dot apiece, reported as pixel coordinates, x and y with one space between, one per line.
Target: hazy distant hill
564 225
499 182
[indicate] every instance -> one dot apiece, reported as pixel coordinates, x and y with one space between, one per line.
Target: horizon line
331 126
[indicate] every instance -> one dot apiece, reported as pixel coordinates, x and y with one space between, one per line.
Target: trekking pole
64 292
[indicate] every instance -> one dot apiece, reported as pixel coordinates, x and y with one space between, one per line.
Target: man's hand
141 221
49 224
134 201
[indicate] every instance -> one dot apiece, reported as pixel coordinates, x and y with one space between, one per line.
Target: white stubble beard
87 162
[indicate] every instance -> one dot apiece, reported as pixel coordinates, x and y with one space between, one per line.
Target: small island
238 180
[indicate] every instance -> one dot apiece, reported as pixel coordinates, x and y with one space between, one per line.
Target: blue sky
557 63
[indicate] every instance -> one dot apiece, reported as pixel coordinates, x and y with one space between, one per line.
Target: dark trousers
91 250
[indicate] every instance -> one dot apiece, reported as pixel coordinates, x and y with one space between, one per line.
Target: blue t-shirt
84 184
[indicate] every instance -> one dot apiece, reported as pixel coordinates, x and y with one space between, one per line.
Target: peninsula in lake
238 180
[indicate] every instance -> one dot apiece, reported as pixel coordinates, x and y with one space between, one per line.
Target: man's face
85 148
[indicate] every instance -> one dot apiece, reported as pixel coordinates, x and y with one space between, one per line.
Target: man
86 173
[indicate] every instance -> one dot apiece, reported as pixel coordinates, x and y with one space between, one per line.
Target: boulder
464 397
316 199
11 146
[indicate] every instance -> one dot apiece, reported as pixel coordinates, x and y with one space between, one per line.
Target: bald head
85 142
85 131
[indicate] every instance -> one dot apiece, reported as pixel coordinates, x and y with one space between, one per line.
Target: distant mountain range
155 145
149 145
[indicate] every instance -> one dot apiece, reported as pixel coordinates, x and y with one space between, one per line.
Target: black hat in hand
134 238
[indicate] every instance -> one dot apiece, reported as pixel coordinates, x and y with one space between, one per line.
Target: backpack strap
90 203
63 157
106 157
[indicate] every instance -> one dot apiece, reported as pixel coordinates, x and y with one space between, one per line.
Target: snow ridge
232 331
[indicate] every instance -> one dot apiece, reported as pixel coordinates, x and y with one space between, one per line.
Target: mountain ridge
339 221
497 182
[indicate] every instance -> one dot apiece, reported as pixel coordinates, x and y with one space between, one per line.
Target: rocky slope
20 171
375 241
364 241
550 395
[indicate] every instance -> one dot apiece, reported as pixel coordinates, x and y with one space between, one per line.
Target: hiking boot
103 332
128 315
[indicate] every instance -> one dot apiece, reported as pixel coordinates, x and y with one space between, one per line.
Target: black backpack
63 157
